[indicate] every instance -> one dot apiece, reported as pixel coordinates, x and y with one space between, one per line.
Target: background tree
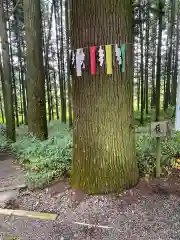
35 77
5 70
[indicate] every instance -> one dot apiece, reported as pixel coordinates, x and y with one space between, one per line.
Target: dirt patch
148 211
10 174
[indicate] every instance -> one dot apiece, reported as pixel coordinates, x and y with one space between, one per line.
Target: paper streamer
123 53
80 56
73 58
109 59
93 60
118 54
101 56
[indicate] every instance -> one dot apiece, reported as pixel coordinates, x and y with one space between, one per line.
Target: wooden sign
161 129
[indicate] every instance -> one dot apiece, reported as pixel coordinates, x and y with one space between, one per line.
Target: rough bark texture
104 144
37 122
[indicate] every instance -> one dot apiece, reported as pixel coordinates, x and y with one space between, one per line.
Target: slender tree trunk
13 81
61 34
56 95
51 97
169 64
68 65
147 63
142 71
1 107
104 143
153 91
61 82
21 100
37 122
175 74
6 78
47 63
138 93
19 42
158 73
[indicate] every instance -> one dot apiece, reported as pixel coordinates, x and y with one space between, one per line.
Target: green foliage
168 115
5 145
50 159
43 161
146 149
145 145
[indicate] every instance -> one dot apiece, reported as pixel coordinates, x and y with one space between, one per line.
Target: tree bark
158 67
147 63
15 100
56 95
153 75
19 43
175 73
104 144
142 70
1 107
169 64
69 85
6 78
47 43
60 17
61 82
37 122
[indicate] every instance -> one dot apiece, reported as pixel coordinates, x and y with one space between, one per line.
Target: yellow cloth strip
109 59
29 214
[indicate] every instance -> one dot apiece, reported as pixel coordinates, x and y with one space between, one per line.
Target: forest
67 111
90 115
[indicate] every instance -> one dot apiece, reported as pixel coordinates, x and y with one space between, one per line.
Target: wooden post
159 130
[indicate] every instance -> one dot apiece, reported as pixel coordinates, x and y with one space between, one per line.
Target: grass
43 161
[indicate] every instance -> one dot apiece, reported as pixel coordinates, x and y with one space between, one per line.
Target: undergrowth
146 152
42 161
45 161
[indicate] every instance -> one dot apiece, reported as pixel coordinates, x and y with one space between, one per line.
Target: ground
149 211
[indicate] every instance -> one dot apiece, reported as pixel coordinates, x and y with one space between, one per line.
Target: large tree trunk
37 122
104 144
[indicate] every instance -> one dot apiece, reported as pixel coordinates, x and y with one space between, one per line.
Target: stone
8 199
